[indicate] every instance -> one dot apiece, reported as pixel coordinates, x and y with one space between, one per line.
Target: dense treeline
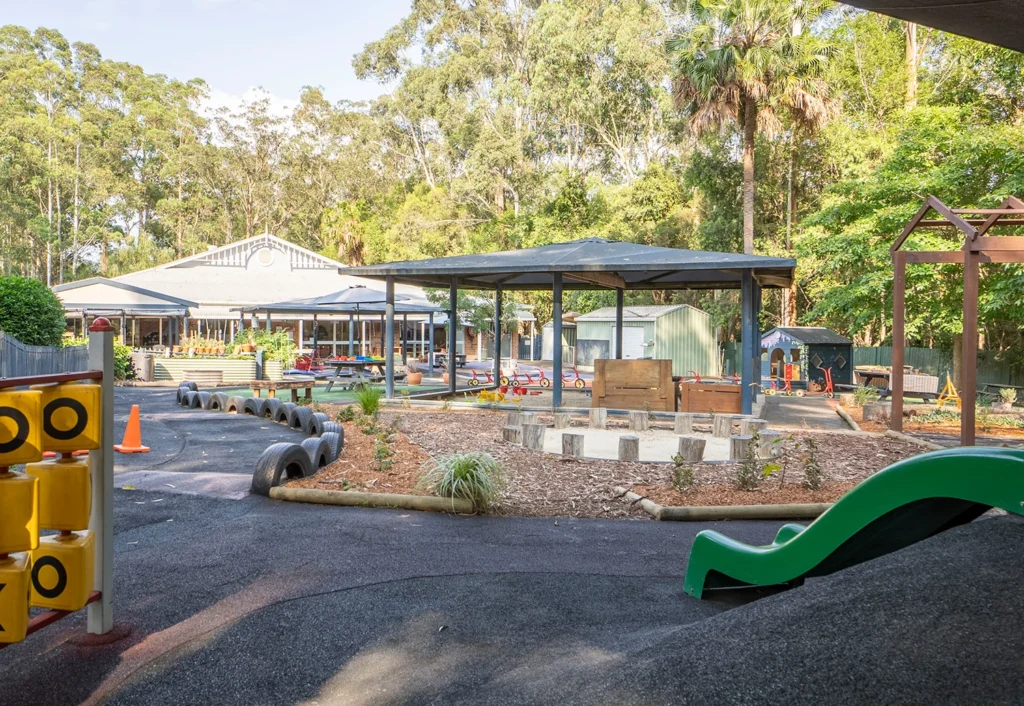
747 124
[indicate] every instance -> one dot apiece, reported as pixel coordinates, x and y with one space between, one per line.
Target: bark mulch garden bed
545 485
998 425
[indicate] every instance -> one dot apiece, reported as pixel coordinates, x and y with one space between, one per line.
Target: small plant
749 474
474 476
984 416
346 414
864 395
682 475
446 406
368 398
813 474
1008 395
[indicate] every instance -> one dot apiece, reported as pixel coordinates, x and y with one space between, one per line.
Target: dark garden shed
811 349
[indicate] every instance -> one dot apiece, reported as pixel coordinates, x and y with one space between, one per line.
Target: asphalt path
253 601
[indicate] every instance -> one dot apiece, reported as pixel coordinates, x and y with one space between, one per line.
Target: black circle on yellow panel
62 577
20 434
74 405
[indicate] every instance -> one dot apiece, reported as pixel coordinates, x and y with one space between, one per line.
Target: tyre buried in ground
253 406
270 407
332 426
189 384
335 442
218 401
319 452
204 400
235 405
284 413
181 392
280 462
316 424
300 418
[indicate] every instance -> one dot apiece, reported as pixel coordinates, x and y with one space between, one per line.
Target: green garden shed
677 332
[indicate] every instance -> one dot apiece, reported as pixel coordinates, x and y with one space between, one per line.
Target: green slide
907 502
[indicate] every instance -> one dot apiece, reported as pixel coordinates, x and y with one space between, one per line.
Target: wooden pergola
978 247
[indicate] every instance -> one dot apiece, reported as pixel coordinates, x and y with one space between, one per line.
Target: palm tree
748 62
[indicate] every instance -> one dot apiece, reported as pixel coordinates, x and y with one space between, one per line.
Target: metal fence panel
19 360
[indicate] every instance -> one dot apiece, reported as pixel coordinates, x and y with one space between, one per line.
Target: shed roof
634 313
811 335
993 21
590 263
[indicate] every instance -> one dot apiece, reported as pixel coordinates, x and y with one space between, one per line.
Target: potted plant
413 376
1007 396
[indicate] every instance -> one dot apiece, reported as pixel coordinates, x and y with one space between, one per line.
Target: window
840 361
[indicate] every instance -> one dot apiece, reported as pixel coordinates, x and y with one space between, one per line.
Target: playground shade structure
906 503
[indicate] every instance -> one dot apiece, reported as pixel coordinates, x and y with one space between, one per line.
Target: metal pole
755 343
383 341
334 338
268 321
619 296
497 332
969 372
747 329
899 337
351 336
389 337
316 337
405 324
430 351
453 316
101 519
556 330
533 337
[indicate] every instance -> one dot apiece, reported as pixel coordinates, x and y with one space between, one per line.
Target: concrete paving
801 413
655 444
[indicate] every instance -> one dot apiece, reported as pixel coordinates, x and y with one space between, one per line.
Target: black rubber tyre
279 461
218 402
234 405
316 424
253 406
283 414
204 400
184 399
335 442
190 400
319 453
189 384
182 389
546 382
503 380
332 426
301 418
473 382
271 405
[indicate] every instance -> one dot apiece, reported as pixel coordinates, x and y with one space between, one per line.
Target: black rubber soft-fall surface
284 413
319 451
335 442
253 406
280 461
316 424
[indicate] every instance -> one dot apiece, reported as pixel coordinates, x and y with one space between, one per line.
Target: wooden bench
272 386
634 384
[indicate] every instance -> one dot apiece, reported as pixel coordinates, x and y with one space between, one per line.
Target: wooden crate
720 398
629 384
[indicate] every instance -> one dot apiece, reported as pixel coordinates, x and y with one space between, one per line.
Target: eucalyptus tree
750 62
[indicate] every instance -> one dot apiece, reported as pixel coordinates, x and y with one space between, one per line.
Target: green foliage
1008 394
368 398
813 473
864 395
474 476
749 472
276 345
123 367
682 474
346 414
30 312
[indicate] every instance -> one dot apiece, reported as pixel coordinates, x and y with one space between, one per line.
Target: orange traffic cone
132 442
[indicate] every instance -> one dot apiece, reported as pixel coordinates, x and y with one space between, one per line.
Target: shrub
682 475
124 369
346 414
749 474
471 476
813 474
864 395
30 312
368 398
1008 394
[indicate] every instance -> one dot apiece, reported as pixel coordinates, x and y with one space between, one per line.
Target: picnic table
354 372
990 390
442 360
272 386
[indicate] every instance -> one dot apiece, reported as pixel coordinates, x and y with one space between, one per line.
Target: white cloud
218 100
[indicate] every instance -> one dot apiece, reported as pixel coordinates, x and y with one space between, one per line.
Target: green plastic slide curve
907 502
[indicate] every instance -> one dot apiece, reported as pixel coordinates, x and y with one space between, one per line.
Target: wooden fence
19 360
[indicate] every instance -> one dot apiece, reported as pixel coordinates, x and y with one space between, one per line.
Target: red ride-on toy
476 380
787 389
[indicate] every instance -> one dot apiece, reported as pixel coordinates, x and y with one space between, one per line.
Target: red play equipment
476 380
787 390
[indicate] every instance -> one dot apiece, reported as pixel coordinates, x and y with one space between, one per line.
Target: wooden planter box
634 384
720 398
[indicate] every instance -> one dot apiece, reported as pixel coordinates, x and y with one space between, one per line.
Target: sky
234 45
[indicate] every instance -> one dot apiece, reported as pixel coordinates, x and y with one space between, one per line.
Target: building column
748 330
160 332
383 341
497 332
302 332
351 336
334 338
389 337
363 341
453 316
533 337
316 335
430 351
969 357
556 349
405 324
268 322
619 297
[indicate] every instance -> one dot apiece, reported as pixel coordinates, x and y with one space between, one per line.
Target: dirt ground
546 485
989 425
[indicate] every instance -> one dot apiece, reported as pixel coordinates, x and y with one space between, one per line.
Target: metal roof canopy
311 306
993 21
590 263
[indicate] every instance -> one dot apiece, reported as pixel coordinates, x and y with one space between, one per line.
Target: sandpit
655 444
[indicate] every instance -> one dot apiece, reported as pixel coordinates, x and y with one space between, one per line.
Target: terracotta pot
444 377
175 349
414 378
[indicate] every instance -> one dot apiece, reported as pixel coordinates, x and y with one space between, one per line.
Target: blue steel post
389 337
453 316
556 330
497 332
748 328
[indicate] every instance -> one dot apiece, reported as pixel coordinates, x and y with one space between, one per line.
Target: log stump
533 436
629 447
767 446
847 399
562 420
738 445
528 418
598 418
684 423
639 421
512 434
721 426
876 412
691 448
514 419
572 445
749 426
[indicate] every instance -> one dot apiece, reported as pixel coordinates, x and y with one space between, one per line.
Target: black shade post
556 329
619 296
453 315
351 336
497 332
430 353
748 329
405 324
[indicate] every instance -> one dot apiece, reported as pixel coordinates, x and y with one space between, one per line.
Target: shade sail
993 21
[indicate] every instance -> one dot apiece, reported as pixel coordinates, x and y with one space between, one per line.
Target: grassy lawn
320 393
